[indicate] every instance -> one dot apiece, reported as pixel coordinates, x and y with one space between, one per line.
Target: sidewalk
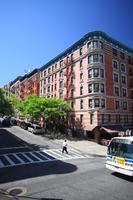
88 147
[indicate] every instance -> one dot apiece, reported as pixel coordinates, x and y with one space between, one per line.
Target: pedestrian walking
64 147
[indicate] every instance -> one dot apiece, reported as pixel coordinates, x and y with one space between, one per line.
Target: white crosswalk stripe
23 158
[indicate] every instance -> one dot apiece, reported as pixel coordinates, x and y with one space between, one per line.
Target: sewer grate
16 191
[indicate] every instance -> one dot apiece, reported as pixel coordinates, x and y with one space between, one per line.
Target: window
61 94
102 73
44 81
130 60
102 87
48 88
96 87
81 104
44 91
102 103
52 68
55 76
96 103
90 88
123 79
91 118
45 73
95 58
90 59
90 103
52 88
124 105
117 105
115 65
100 45
81 118
122 56
55 87
124 92
81 76
72 104
102 118
125 119
81 90
72 92
116 91
123 68
96 72
95 44
89 45
101 59
60 84
81 64
52 78
117 119
61 63
116 77
81 51
55 66
61 74
114 52
109 118
49 79
131 82
48 70
89 73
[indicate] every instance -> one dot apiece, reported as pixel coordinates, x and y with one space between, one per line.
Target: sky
32 32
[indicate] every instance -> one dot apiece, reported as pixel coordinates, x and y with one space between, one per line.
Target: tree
54 111
30 107
5 105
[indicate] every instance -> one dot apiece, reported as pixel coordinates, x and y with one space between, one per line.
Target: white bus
120 155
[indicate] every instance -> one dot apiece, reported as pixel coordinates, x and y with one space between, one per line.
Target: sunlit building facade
95 75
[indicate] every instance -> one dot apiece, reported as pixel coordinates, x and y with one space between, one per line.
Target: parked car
36 129
25 125
6 121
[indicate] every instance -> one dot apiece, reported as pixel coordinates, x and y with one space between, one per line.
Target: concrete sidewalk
88 147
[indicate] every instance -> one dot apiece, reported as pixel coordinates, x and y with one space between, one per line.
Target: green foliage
52 110
5 105
30 107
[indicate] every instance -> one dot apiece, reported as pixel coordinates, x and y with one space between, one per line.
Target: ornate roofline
91 35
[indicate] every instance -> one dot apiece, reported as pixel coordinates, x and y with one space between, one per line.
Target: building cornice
89 36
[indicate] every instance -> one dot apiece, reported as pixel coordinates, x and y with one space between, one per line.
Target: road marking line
50 152
13 148
32 153
9 160
30 160
16 156
1 164
43 155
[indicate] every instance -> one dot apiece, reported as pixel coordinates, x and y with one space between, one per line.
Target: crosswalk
40 156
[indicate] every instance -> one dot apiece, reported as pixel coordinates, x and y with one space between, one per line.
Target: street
36 166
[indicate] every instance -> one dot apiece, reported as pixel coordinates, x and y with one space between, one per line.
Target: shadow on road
30 170
122 176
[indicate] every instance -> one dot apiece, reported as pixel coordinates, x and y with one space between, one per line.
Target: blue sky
32 32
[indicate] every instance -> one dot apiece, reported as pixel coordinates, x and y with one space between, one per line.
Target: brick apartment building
24 85
95 75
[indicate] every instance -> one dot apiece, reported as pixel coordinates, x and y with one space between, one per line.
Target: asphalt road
55 176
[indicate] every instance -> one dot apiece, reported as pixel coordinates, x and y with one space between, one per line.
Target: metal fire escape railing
69 74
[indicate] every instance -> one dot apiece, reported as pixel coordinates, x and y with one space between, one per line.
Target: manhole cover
16 191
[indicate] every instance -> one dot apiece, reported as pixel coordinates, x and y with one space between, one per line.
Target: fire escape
21 91
70 75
